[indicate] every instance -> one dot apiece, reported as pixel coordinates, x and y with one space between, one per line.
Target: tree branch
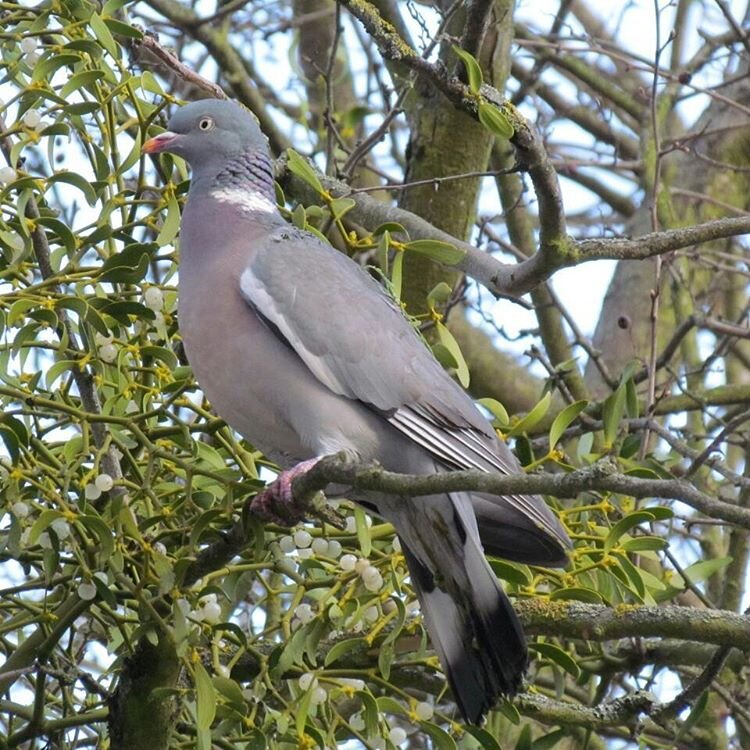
340 470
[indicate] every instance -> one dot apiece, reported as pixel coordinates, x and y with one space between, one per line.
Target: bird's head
210 133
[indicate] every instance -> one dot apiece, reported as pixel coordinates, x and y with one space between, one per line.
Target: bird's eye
206 123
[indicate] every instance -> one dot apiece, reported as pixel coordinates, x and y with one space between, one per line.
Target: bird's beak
162 142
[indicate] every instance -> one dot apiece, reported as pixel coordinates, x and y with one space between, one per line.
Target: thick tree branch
596 622
514 280
602 477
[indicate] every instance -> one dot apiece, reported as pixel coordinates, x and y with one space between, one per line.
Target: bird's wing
357 342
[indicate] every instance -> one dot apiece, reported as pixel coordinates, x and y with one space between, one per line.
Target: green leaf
390 226
167 356
171 224
363 532
388 705
101 531
299 217
123 29
473 71
129 266
59 231
76 180
494 120
524 738
510 712
497 410
205 698
112 6
441 740
442 252
104 35
231 691
289 653
439 295
510 572
533 417
300 167
703 569
485 739
46 68
370 710
632 573
563 420
45 520
450 343
612 413
397 275
624 525
122 310
302 709
578 594
555 654
386 655
344 647
17 427
548 741
644 543
340 206
660 512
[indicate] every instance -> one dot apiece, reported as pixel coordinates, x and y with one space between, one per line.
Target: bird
300 350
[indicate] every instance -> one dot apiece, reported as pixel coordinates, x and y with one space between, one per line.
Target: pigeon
300 350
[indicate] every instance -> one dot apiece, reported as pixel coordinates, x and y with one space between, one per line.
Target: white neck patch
245 200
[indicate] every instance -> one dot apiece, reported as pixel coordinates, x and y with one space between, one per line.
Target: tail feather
473 628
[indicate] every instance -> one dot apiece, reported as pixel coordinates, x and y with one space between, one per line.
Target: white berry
20 510
32 119
153 298
92 492
347 563
28 44
87 591
334 548
318 696
61 528
424 711
7 174
104 482
108 353
302 538
287 545
357 722
211 612
305 613
397 735
362 565
320 546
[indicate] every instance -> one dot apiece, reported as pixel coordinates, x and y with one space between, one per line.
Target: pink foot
276 503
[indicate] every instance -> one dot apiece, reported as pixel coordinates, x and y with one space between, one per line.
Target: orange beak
159 143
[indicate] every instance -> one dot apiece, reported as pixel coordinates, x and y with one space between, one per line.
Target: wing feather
360 345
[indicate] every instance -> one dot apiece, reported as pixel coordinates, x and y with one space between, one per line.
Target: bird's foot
276 503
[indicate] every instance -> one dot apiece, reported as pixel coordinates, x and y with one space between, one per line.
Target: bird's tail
472 625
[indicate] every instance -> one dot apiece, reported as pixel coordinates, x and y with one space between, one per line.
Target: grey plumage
305 355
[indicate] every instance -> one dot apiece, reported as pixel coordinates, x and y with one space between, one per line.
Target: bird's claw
276 503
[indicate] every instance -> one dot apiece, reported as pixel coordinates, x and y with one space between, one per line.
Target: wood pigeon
305 355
